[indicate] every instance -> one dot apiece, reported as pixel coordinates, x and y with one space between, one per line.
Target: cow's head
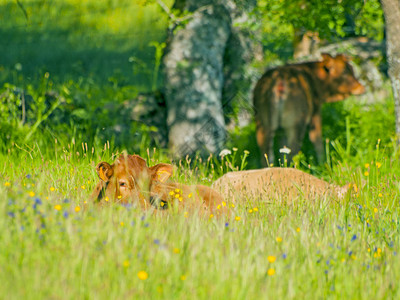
338 76
129 179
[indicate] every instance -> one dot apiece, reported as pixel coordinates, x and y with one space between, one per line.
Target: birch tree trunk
391 10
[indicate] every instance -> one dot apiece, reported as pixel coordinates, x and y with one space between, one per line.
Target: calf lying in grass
276 183
130 180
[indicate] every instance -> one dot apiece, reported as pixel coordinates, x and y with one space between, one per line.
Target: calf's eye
122 184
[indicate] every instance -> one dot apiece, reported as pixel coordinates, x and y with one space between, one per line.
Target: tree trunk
391 10
305 43
193 68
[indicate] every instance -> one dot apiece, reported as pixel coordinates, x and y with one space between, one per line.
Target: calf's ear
327 60
104 171
161 172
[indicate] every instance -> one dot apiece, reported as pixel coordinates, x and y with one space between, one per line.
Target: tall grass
57 244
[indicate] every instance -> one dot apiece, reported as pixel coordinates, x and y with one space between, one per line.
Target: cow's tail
280 95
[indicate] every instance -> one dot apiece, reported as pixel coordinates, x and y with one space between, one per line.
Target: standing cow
289 98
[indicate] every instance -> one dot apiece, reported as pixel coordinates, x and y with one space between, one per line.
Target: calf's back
275 183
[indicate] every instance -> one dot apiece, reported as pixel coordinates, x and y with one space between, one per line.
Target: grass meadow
56 244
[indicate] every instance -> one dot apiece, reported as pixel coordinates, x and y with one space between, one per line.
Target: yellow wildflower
119 197
271 259
176 250
180 199
126 263
211 216
52 189
82 187
122 223
378 165
190 195
237 218
107 199
177 190
176 196
223 203
367 166
255 209
142 275
219 207
233 205
380 195
375 210
57 207
279 239
7 184
77 208
183 277
271 272
298 229
171 193
31 194
250 211
366 173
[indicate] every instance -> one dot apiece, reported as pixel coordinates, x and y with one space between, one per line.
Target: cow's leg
315 135
295 136
265 138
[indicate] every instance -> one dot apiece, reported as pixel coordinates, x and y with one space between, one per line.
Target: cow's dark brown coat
290 97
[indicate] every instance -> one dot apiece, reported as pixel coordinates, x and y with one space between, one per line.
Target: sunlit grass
57 244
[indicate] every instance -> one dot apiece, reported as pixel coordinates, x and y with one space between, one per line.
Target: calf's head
338 76
129 179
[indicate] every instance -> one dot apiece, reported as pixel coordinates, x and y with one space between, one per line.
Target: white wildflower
225 152
285 150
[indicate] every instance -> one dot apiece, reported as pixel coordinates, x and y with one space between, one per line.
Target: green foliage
278 23
76 62
360 126
329 18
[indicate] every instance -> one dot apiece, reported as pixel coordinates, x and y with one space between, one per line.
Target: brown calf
130 180
275 183
289 99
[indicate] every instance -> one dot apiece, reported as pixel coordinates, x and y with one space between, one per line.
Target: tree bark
391 10
194 81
